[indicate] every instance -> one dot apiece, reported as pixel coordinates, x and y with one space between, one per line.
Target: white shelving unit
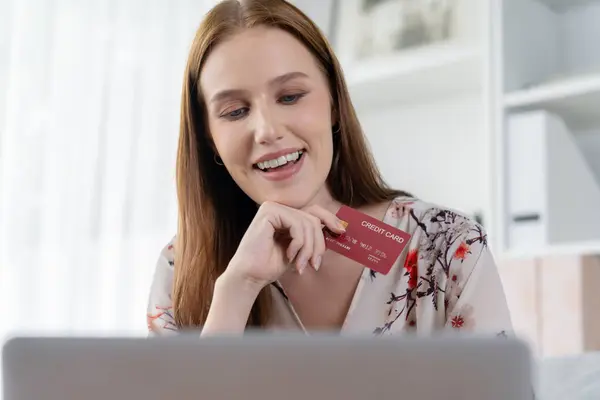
576 98
547 58
419 75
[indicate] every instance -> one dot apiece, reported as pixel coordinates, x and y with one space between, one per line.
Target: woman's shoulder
436 229
159 312
167 253
412 214
165 266
447 261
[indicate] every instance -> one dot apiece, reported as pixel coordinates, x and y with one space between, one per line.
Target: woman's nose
265 127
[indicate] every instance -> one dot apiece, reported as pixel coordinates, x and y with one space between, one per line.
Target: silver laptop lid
266 367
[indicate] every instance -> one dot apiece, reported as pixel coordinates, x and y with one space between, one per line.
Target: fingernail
301 266
317 263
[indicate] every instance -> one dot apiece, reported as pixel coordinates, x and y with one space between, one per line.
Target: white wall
442 139
320 11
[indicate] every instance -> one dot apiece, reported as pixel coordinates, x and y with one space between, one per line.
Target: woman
270 148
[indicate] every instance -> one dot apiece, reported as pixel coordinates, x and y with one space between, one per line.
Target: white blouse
445 279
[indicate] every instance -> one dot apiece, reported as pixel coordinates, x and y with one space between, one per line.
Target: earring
336 128
218 160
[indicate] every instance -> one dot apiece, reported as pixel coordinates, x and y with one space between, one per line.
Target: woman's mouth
281 162
282 167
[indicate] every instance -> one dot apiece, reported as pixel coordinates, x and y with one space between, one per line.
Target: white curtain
89 117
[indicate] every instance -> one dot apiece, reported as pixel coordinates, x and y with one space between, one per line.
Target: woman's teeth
278 162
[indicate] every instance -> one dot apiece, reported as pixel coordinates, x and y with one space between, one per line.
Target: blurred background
491 107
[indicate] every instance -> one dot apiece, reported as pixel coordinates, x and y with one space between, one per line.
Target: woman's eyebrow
226 94
229 93
287 77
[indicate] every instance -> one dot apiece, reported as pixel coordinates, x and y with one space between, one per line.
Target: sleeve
160 308
475 296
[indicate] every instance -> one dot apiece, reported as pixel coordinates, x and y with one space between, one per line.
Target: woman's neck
324 199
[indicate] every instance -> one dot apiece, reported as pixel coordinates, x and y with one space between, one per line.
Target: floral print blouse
444 280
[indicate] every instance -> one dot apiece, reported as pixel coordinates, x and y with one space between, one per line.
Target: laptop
266 367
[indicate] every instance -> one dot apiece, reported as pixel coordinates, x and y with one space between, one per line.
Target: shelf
414 76
580 248
576 100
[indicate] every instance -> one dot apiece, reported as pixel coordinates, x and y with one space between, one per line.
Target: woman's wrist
232 281
232 301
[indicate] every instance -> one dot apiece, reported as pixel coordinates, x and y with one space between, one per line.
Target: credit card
367 240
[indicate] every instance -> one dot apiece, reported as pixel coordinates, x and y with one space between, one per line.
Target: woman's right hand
280 238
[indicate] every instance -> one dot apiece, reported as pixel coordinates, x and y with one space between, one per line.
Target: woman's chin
292 198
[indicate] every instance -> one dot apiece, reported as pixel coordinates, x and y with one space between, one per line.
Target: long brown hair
214 212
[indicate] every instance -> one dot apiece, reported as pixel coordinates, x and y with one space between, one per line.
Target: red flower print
162 314
462 251
455 281
458 321
462 319
411 267
150 321
170 247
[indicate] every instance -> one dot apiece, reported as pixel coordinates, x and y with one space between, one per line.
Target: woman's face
270 115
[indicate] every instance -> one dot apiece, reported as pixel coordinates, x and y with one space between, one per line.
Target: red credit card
368 241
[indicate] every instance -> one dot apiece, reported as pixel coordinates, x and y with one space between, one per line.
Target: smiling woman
270 148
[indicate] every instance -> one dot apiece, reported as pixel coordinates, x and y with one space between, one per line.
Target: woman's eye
290 98
236 114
